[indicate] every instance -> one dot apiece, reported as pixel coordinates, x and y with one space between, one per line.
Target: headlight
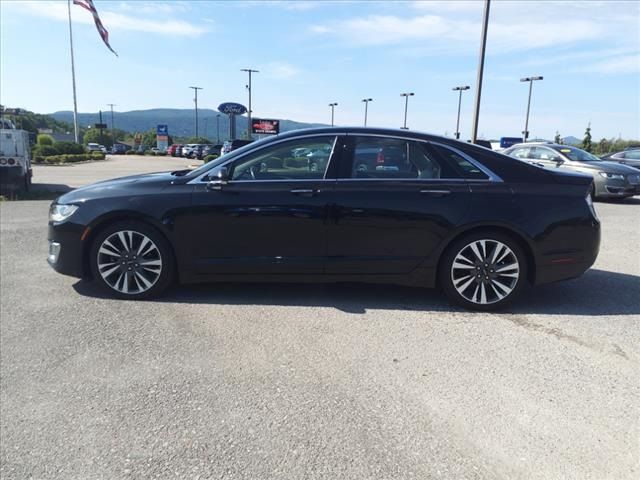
612 176
59 213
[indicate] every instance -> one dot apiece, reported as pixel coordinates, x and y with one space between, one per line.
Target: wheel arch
105 221
518 237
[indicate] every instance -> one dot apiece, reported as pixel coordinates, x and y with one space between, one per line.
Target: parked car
481 225
142 148
611 179
187 149
211 150
119 149
172 150
155 150
94 147
626 157
231 145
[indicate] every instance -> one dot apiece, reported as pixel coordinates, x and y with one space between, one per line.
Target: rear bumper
558 266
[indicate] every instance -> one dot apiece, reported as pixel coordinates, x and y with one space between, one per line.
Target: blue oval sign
231 108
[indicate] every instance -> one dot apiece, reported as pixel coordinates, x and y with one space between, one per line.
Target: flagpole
73 78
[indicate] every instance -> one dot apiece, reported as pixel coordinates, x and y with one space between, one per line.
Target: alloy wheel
485 271
129 262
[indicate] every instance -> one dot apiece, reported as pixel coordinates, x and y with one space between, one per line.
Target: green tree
603 147
44 139
586 141
93 135
197 140
557 138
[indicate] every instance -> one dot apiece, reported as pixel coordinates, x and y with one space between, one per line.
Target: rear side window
394 158
468 169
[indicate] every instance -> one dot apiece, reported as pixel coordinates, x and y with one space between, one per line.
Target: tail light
380 157
3 161
11 161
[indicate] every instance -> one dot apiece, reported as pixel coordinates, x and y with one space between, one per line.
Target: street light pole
113 130
366 105
406 106
249 71
459 90
525 133
195 89
483 47
218 128
332 105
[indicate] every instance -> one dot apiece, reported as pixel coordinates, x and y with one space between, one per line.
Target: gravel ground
309 382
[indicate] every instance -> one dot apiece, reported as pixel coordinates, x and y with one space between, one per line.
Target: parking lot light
525 133
406 106
459 90
195 89
366 105
249 126
332 105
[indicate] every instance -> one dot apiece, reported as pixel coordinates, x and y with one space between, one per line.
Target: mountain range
181 122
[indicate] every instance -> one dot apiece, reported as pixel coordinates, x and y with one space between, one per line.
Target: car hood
131 185
609 167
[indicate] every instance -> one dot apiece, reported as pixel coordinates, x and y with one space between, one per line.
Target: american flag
88 4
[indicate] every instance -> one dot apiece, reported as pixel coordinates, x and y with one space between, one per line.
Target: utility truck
15 158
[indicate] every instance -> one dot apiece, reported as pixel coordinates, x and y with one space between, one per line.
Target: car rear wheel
131 260
483 271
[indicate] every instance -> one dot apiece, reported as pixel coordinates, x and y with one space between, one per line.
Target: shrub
161 154
150 152
43 151
73 158
208 158
44 139
68 147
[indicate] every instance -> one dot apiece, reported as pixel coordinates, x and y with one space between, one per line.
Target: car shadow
597 292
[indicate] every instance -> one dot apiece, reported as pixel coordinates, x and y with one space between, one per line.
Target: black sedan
477 223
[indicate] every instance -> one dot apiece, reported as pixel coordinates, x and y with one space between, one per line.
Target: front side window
285 161
393 158
541 153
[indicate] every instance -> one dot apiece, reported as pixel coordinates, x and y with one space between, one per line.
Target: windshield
213 163
576 154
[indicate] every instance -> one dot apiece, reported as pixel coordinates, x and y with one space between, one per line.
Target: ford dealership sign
231 108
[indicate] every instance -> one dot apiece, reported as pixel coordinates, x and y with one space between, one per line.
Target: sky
312 53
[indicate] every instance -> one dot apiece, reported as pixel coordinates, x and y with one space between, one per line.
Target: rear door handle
304 192
435 193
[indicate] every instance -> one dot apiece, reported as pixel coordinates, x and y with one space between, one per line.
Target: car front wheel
484 271
131 260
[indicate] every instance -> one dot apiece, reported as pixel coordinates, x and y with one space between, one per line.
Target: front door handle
304 192
435 193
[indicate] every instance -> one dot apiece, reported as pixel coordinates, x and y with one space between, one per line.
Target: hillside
181 122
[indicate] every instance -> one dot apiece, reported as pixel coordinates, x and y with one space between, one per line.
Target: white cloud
112 20
614 66
445 27
280 70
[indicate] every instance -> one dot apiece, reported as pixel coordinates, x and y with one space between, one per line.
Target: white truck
15 158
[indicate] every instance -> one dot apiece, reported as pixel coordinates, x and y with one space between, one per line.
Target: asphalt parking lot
308 382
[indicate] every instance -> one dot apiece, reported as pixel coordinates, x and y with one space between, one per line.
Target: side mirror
221 179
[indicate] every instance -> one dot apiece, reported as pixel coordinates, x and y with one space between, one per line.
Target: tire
131 260
496 280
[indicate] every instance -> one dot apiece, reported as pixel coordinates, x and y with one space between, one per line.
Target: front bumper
66 250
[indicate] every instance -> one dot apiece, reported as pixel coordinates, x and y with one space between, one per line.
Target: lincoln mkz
377 205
